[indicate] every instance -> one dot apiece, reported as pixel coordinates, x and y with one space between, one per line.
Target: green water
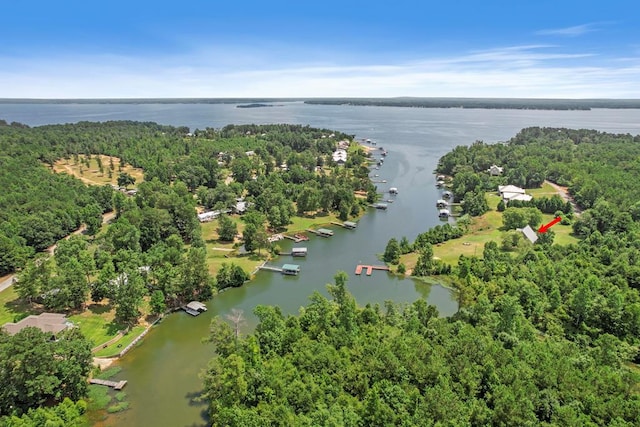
162 372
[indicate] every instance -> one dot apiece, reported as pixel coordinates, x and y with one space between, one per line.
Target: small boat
299 236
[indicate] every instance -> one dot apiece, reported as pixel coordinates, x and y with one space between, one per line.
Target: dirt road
564 193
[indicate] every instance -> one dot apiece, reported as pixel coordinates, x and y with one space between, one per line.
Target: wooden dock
369 268
115 385
296 238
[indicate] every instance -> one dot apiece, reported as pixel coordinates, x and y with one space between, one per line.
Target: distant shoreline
414 102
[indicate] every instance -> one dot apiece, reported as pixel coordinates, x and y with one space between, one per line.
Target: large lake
163 371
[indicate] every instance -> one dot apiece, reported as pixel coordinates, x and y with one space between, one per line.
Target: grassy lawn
219 252
11 306
302 223
92 175
486 228
122 343
545 191
96 323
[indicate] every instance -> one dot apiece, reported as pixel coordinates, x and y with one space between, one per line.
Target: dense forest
37 207
545 335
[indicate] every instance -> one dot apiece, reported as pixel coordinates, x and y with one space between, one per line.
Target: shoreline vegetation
417 102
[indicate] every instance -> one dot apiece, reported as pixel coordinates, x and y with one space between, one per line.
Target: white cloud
576 30
513 71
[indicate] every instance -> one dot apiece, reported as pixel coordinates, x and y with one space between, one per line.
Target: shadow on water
195 400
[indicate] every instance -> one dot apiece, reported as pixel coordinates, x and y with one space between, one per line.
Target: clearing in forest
92 175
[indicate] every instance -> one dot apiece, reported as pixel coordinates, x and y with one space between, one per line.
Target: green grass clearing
486 228
545 191
115 348
11 306
96 323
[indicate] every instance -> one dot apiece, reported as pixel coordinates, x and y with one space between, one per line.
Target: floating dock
119 385
369 268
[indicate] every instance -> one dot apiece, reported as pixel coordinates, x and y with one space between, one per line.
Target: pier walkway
119 385
269 268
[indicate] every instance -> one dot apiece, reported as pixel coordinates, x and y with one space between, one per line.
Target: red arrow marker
545 228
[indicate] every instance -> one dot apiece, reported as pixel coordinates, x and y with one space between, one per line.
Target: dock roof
291 267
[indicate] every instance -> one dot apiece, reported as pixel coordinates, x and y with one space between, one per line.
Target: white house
340 156
495 170
511 192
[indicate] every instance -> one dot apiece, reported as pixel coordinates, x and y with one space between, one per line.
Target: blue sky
460 48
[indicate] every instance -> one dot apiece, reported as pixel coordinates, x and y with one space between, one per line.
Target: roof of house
46 322
529 234
510 189
520 197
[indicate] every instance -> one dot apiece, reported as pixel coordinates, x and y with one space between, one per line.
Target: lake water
163 371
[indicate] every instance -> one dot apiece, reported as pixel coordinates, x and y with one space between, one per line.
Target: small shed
350 224
300 252
291 269
529 234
